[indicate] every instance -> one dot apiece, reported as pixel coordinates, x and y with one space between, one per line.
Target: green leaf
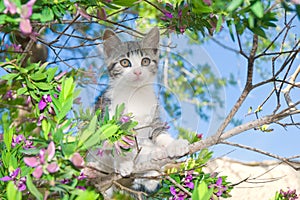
200 7
65 109
29 84
12 192
89 131
31 151
108 132
251 21
127 3
258 9
119 111
68 148
46 128
8 132
51 73
43 86
67 89
259 31
36 16
21 91
32 189
219 23
234 5
38 76
93 140
47 15
9 76
201 192
87 194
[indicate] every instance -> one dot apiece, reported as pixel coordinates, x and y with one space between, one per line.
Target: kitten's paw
149 185
125 168
178 147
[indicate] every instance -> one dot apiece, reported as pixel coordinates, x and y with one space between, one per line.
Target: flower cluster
125 143
219 188
18 139
25 14
46 101
288 195
15 176
186 182
41 163
175 17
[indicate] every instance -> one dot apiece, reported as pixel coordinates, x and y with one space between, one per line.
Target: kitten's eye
145 62
125 63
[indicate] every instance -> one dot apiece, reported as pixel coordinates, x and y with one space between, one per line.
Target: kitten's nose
137 72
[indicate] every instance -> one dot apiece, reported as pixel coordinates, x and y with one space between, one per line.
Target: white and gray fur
134 86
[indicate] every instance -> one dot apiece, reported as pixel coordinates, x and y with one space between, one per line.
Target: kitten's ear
151 40
110 42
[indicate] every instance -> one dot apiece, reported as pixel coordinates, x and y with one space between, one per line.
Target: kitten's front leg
174 147
124 165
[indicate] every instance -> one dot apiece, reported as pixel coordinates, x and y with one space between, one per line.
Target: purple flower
17 139
182 30
40 119
8 95
129 140
169 5
80 187
207 2
20 182
290 194
168 15
44 102
221 188
65 181
77 160
179 13
173 190
45 156
124 119
81 176
10 7
118 148
101 150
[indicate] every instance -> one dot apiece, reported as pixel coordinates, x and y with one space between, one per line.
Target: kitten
132 67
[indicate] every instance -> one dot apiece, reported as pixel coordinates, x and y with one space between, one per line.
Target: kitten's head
133 63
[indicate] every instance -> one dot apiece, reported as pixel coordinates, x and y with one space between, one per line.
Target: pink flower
82 12
10 7
25 26
101 14
41 160
77 160
26 10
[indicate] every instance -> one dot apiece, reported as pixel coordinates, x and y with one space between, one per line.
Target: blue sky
283 142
